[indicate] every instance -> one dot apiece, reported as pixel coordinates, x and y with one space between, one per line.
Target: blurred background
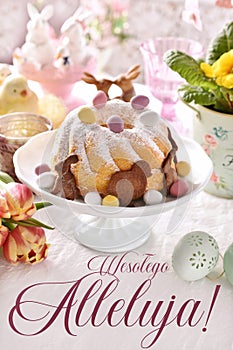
117 38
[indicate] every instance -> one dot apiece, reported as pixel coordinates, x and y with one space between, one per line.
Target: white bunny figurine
38 48
62 55
72 30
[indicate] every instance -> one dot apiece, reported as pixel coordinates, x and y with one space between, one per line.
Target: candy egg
183 168
93 198
115 124
139 102
179 188
110 201
195 255
42 168
228 263
46 180
87 115
100 100
149 118
152 197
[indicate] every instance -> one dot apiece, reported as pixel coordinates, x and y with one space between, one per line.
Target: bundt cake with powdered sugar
115 150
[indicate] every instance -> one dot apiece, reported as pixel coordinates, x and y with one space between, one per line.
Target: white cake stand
107 229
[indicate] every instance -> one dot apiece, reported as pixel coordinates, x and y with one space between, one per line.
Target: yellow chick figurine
4 71
16 96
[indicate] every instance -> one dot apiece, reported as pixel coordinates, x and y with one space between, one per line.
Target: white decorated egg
195 255
228 263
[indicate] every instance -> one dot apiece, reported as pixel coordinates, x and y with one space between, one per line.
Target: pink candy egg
42 168
115 124
139 102
99 100
179 188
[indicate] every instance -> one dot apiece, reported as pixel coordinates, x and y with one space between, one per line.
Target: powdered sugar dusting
100 149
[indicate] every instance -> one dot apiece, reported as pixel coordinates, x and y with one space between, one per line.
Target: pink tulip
4 210
26 244
19 199
3 234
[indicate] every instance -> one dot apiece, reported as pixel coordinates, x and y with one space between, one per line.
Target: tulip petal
4 210
3 234
10 250
26 244
20 201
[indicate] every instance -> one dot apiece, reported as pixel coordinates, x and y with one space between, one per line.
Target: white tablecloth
71 265
82 299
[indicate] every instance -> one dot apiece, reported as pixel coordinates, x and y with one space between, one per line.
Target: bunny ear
47 12
133 72
81 14
32 10
67 25
89 78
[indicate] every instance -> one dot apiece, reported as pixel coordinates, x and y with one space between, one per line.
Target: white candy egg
195 255
152 197
93 198
46 180
149 118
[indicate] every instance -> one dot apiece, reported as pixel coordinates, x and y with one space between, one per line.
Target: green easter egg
228 263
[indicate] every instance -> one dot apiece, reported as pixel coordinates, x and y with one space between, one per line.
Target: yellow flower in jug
210 80
221 70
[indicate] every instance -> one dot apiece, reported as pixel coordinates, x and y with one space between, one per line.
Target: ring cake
114 150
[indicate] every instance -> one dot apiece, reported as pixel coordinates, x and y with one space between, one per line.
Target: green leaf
197 95
6 178
41 205
222 43
37 223
31 222
188 68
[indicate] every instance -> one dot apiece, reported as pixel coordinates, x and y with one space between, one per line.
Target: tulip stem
10 225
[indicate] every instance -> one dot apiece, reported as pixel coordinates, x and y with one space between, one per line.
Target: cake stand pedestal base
112 235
